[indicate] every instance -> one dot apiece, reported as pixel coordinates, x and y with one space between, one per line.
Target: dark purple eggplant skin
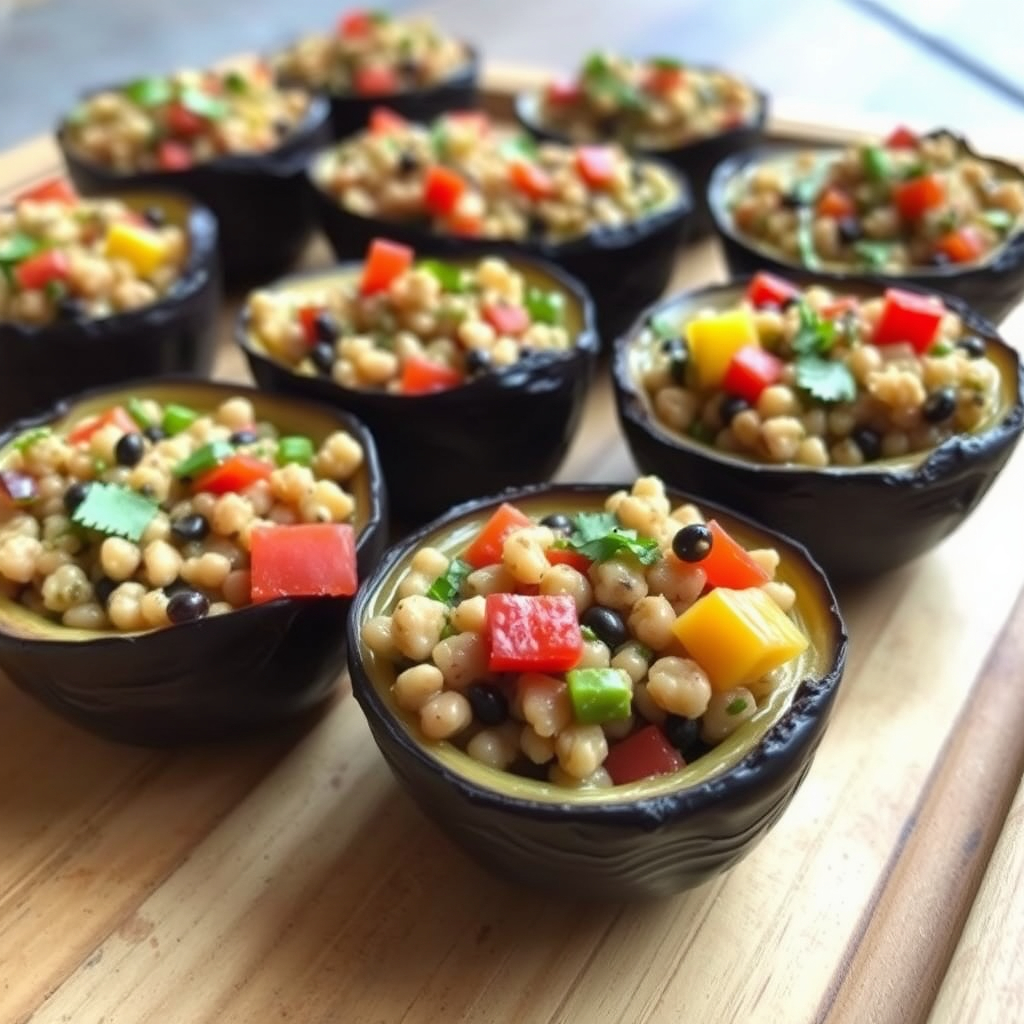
264 213
176 334
646 848
858 523
230 675
459 91
695 159
991 289
623 269
500 429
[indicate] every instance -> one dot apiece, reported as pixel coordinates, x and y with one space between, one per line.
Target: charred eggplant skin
176 334
261 201
991 288
857 523
696 159
623 269
229 675
501 429
643 848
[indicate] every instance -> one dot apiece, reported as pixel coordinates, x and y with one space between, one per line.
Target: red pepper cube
488 544
52 190
117 416
908 318
901 137
750 371
422 376
233 475
505 318
565 556
770 290
728 564
384 121
303 560
39 270
384 262
531 180
533 633
374 81
596 165
642 756
916 197
173 156
442 190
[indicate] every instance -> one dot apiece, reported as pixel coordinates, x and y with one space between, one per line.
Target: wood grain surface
289 878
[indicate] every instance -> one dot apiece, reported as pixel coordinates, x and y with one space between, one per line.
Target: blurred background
924 62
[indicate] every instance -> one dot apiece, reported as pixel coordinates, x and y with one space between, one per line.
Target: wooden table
289 878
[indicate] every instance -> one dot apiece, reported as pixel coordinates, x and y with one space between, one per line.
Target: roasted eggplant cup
991 282
246 670
695 159
646 838
264 214
175 334
502 428
858 521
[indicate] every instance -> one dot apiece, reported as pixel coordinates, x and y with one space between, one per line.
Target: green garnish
236 82
736 706
701 432
825 380
295 449
23 442
941 348
599 695
446 588
177 418
599 76
202 459
666 63
914 170
55 290
115 510
544 307
450 277
149 92
588 634
203 104
138 413
815 334
439 137
598 536
873 254
875 162
663 327
948 221
18 247
805 238
999 220
519 146
643 650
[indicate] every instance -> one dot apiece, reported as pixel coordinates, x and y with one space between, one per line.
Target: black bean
939 405
682 733
489 704
607 624
849 229
536 226
103 588
154 434
409 68
868 441
129 449
938 259
326 326
408 163
70 308
187 606
791 201
323 357
678 357
692 543
972 345
244 437
731 407
282 126
75 495
477 361
190 527
154 216
557 521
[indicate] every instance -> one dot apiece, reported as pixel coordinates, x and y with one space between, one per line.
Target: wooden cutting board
290 879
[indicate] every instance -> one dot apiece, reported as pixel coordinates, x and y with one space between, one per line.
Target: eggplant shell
350 114
992 287
227 675
696 159
857 521
501 429
261 201
648 838
623 269
176 334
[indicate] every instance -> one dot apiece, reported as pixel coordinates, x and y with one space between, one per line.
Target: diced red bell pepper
117 416
442 189
750 371
532 633
374 81
770 290
838 306
563 556
468 224
384 262
642 756
596 165
173 156
901 137
184 123
53 190
425 376
964 245
39 270
916 197
728 564
530 179
834 202
384 121
908 318
354 24
661 80
506 319
488 544
303 560
307 318
563 91
234 474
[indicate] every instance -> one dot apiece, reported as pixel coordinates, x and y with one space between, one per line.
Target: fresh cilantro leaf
149 92
814 334
825 380
999 220
598 536
941 348
873 254
875 163
446 588
600 77
735 707
545 307
450 277
116 511
236 82
203 104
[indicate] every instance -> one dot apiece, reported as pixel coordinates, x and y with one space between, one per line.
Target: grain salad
148 514
907 202
590 648
817 378
463 175
63 258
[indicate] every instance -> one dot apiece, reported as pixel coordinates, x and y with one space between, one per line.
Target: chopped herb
664 327
734 707
519 146
177 418
149 92
875 163
873 254
439 137
599 77
450 277
643 650
941 348
295 449
115 510
598 536
948 221
805 238
446 588
236 82
588 634
55 290
545 307
824 379
18 247
99 465
815 334
914 170
23 442
999 220
138 413
448 630
203 104
204 458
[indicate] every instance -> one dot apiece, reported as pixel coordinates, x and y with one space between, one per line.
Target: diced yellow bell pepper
737 636
715 340
145 250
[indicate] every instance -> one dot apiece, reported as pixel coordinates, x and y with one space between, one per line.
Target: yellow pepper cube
145 250
738 635
714 340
